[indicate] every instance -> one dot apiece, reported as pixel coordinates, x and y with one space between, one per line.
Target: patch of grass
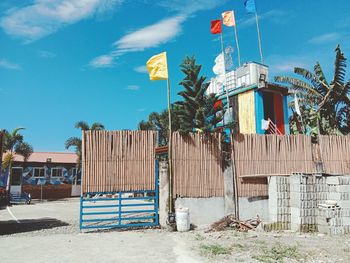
238 246
199 237
214 250
277 254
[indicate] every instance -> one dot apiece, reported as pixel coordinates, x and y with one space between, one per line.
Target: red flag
215 27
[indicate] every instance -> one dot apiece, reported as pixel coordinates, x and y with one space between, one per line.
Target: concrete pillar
229 191
163 193
273 201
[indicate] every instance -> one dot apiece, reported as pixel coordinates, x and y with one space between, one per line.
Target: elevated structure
257 106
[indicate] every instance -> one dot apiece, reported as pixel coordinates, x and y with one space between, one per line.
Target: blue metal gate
122 209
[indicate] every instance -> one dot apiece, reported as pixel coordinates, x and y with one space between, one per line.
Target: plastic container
182 219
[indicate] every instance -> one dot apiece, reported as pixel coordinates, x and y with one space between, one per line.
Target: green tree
13 143
322 103
160 122
196 112
76 141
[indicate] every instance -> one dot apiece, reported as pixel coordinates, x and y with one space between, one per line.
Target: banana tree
324 104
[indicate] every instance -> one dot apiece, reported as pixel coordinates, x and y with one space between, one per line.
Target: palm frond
73 142
24 149
96 126
82 125
340 65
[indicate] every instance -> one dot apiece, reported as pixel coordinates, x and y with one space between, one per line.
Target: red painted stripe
278 103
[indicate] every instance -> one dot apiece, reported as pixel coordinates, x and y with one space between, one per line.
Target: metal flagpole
237 44
259 37
231 140
169 152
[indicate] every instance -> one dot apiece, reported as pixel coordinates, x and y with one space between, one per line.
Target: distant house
42 169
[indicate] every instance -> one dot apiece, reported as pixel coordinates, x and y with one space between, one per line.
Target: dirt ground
48 232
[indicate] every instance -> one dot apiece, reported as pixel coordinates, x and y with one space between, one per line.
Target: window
39 172
56 172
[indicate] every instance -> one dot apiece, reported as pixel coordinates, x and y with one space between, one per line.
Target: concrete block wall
335 219
303 202
298 203
279 202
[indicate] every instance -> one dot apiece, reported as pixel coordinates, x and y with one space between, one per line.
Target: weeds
277 254
214 250
199 237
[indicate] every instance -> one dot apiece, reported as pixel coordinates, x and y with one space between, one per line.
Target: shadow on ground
28 225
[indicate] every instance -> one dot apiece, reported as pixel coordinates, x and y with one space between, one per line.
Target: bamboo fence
118 161
197 165
335 154
263 155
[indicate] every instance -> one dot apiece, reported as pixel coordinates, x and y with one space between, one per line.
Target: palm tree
160 122
196 112
324 105
13 143
76 142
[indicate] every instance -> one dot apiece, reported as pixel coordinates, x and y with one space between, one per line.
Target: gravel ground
49 232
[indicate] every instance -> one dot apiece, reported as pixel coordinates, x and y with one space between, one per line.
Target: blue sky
62 61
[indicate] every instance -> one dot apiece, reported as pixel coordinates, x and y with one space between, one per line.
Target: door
16 181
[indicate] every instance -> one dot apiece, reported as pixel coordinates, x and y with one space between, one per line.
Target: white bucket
182 219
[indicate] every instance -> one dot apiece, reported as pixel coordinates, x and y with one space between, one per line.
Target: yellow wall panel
246 112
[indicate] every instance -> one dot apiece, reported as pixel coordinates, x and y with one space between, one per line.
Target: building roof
44 157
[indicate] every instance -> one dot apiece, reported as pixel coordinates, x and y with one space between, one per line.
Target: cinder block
346 221
332 180
343 188
344 204
334 196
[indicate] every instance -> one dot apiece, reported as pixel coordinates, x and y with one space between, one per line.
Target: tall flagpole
169 152
259 37
231 140
237 44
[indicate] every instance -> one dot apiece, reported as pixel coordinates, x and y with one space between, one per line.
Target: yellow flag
228 18
158 67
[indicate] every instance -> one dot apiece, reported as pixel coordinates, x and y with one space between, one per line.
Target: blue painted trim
117 199
259 111
157 193
236 91
285 114
119 202
81 213
121 226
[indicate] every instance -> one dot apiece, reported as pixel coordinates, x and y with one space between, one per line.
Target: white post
259 37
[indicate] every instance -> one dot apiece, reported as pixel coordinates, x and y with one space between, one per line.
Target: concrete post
163 193
229 191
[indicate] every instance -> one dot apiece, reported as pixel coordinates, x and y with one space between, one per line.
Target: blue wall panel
259 111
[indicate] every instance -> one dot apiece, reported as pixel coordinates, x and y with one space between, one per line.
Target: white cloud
9 65
141 109
147 37
281 64
133 87
275 16
44 17
104 61
151 36
189 7
46 54
141 69
160 32
326 38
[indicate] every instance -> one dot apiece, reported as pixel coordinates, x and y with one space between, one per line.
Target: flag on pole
158 67
250 6
228 18
215 27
